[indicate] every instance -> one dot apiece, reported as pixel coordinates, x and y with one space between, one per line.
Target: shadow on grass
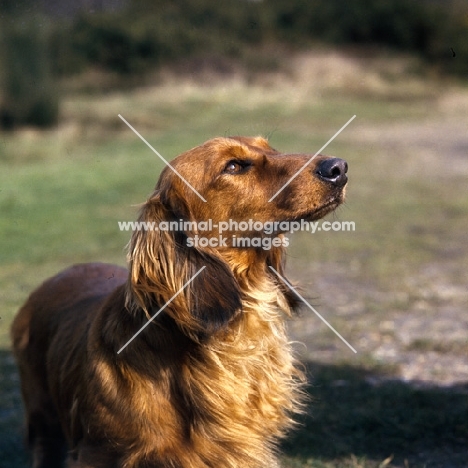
13 453
352 412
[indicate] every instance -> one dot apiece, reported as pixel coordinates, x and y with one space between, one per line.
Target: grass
63 191
374 423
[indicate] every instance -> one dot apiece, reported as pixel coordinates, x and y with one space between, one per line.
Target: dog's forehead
236 146
255 142
223 147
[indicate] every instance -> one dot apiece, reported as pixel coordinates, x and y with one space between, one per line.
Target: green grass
63 191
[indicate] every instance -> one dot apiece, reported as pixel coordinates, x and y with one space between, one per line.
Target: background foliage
136 37
149 33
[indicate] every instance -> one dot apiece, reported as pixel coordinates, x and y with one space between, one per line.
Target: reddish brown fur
211 382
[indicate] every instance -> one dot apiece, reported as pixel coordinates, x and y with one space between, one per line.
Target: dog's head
225 180
244 178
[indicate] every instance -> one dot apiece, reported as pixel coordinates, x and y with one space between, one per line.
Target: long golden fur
211 382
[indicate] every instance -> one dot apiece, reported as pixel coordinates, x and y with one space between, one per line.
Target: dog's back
57 311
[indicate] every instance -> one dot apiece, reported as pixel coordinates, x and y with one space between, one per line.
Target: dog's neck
256 271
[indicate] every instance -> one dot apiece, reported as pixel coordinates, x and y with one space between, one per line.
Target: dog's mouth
330 205
323 210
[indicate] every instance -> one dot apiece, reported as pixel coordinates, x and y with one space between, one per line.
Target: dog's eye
236 167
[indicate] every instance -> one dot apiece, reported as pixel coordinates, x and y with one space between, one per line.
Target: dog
211 382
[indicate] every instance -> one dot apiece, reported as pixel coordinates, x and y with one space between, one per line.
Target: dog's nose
333 170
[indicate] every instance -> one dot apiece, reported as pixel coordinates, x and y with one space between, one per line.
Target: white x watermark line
164 160
289 285
312 158
161 309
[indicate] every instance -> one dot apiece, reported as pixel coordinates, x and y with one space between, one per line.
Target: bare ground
419 328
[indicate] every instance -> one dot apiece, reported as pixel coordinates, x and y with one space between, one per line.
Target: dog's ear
213 296
202 293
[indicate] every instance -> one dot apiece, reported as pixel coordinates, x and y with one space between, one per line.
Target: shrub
28 92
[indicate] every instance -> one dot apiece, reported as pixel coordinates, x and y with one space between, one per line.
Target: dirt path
425 339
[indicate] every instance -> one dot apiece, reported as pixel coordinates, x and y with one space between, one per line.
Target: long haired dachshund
211 382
